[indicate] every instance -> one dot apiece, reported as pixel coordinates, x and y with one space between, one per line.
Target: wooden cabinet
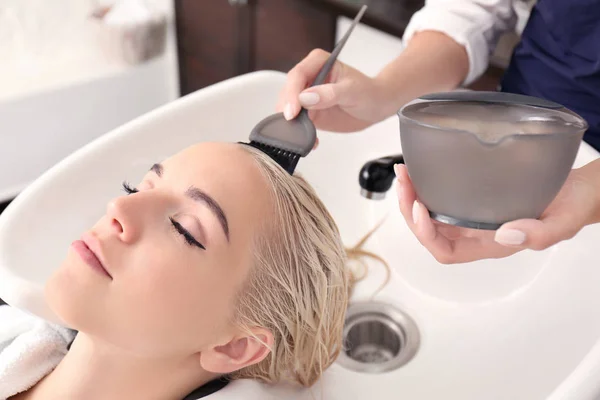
287 30
206 42
219 39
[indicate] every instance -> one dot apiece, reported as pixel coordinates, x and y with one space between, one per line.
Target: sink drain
378 338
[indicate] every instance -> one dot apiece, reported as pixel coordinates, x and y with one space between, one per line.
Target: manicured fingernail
287 112
308 99
510 237
415 212
397 169
399 191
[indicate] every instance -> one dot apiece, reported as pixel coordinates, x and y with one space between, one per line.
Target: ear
241 351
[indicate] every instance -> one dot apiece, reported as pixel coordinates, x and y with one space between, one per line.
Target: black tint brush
286 141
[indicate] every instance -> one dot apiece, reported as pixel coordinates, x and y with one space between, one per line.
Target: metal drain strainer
378 338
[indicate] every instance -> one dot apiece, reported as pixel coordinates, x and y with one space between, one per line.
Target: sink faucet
376 176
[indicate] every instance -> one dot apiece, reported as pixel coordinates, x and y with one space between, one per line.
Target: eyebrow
158 168
198 195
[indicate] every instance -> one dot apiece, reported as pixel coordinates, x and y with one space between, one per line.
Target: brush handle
336 51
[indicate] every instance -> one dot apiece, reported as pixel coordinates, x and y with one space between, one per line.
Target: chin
71 296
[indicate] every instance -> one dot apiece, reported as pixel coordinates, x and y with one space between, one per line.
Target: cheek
173 301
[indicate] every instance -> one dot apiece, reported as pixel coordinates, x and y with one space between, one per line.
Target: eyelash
176 225
128 189
187 236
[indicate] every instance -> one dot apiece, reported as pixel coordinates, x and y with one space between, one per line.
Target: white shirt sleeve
475 24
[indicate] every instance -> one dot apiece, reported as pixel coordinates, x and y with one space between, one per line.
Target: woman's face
177 253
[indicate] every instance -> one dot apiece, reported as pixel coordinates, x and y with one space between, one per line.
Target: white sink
524 327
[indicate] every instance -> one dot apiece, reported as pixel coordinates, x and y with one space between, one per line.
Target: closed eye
178 227
187 236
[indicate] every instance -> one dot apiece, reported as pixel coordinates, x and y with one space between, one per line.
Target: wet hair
300 282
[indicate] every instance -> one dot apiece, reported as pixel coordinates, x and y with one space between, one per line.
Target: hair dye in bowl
492 122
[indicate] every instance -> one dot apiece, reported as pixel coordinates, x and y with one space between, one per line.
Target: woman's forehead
219 160
225 171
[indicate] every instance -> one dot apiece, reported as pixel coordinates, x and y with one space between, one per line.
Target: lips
96 258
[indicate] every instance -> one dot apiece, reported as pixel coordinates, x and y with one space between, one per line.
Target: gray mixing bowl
480 159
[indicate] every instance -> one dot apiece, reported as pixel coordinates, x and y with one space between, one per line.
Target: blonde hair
299 286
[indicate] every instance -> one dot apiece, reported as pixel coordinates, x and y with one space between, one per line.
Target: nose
124 220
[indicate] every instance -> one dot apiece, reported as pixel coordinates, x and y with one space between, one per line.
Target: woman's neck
95 370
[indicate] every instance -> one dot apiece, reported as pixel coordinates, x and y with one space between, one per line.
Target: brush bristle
286 159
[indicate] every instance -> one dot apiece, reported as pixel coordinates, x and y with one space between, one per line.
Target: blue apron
558 59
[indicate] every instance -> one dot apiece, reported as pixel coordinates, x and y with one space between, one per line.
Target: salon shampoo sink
526 327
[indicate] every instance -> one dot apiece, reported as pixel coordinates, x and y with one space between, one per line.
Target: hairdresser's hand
576 205
349 101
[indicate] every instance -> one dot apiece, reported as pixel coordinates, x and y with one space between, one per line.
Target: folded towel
30 348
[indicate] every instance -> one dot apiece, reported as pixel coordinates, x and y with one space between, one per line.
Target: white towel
30 348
